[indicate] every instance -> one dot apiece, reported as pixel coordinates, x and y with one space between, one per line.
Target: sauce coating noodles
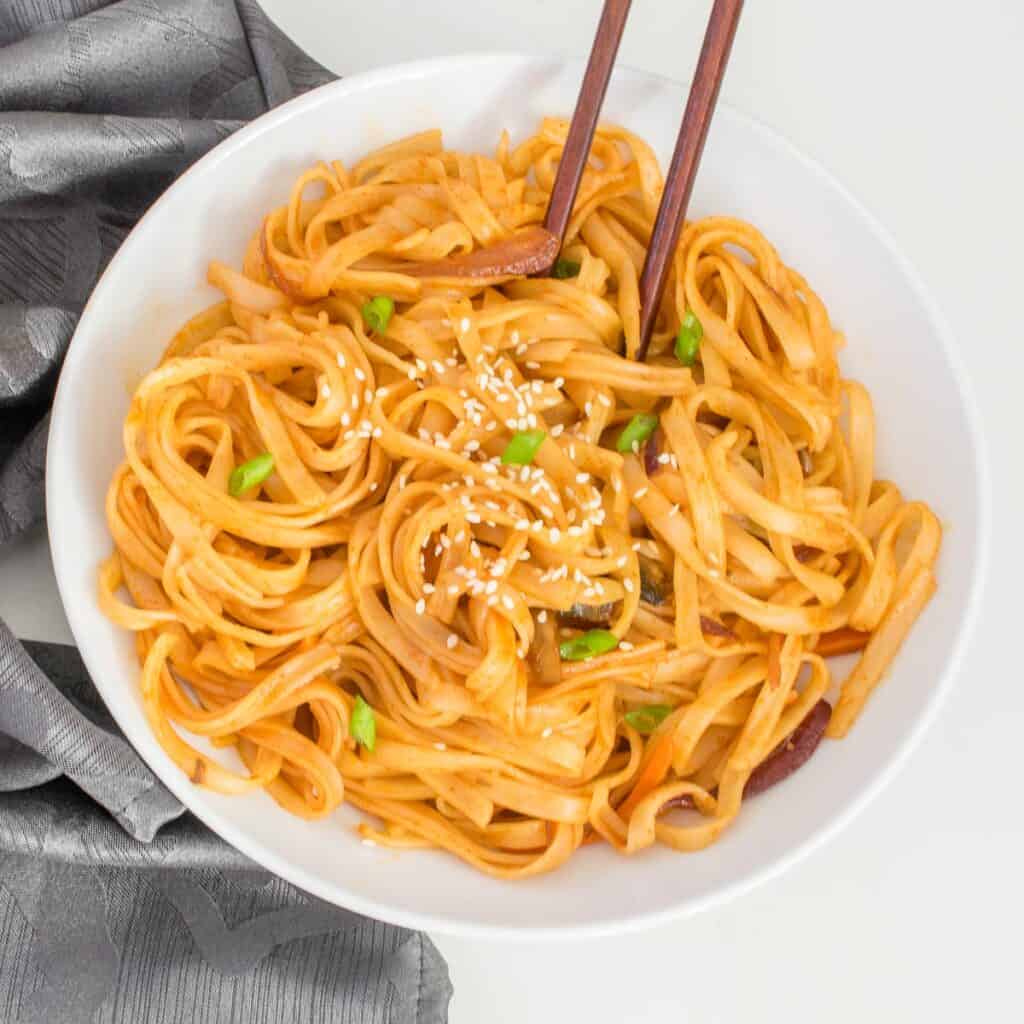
392 555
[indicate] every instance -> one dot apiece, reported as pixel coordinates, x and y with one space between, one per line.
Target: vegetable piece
655 584
587 645
636 431
712 627
841 641
362 726
652 452
647 718
377 312
564 269
587 616
250 474
650 775
791 753
522 448
688 339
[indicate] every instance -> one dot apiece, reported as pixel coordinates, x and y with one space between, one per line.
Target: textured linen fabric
115 906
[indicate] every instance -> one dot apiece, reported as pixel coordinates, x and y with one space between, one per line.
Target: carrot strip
650 776
841 641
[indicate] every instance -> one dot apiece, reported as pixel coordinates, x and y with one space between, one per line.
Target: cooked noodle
390 555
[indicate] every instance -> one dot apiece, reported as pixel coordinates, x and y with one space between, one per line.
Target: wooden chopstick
725 15
584 118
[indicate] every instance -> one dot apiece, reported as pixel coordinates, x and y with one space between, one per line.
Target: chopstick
707 79
584 118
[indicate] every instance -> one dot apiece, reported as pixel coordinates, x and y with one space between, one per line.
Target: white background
910 914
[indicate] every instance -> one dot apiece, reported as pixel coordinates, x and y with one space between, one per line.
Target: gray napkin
115 906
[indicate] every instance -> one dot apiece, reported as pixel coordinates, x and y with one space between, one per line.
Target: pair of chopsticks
668 224
533 250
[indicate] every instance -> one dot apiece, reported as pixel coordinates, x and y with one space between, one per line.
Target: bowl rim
61 422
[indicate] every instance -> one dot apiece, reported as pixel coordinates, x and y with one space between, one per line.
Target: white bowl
929 441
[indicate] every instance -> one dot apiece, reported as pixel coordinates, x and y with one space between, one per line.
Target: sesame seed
637 495
421 606
625 645
325 390
508 602
546 733
627 584
452 642
542 616
373 486
341 360
464 324
360 374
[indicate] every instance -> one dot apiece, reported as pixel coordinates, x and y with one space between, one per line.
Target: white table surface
909 914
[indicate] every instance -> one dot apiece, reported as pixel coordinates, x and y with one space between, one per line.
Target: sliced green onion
586 645
636 431
523 447
688 338
362 726
646 719
249 474
377 312
565 268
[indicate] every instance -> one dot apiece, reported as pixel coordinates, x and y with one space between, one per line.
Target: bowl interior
927 442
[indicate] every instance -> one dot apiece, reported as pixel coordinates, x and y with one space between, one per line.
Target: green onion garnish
523 447
377 312
565 268
362 726
586 645
646 719
250 474
688 339
636 431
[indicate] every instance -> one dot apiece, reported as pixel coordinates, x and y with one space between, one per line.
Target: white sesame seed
542 616
452 642
508 602
627 584
360 374
342 362
421 606
637 495
546 733
464 324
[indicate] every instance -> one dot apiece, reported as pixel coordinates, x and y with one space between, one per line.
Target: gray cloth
114 904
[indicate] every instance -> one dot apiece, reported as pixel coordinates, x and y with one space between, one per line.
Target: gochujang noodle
440 546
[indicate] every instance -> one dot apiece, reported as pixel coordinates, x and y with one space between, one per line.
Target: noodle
388 563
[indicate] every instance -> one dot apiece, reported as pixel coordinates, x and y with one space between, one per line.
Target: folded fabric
115 905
